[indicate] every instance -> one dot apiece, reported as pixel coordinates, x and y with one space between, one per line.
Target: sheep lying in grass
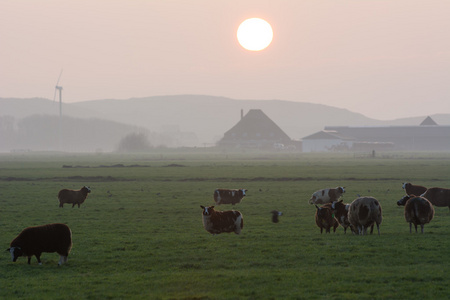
365 212
46 238
73 197
418 211
324 218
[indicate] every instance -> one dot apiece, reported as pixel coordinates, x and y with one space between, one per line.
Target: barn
428 136
326 140
256 130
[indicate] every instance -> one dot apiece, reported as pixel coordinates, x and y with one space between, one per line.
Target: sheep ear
341 201
202 206
316 206
8 249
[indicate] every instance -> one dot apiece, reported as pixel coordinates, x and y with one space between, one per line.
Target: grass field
139 235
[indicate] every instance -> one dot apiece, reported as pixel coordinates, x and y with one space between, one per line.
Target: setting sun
254 34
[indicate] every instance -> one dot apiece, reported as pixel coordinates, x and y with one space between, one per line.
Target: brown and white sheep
364 212
326 195
340 211
418 211
216 222
439 197
45 238
324 218
73 197
227 196
412 189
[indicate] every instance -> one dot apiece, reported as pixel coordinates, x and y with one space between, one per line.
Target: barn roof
327 135
428 121
255 126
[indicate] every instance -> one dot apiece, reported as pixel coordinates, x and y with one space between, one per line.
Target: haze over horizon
383 59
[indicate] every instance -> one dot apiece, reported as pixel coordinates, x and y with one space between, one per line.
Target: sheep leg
29 259
62 259
421 225
73 204
415 225
410 227
38 256
378 228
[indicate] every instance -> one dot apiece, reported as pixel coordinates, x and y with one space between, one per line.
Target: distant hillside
205 117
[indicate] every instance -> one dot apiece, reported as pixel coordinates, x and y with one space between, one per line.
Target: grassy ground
139 235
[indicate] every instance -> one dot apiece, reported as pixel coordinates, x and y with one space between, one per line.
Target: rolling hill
206 117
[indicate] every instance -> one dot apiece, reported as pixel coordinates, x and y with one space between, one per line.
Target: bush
134 142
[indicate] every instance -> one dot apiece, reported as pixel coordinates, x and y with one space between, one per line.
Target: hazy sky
382 58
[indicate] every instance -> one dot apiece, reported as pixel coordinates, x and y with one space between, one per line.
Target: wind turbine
59 88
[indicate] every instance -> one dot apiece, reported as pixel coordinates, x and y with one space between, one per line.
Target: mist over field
166 121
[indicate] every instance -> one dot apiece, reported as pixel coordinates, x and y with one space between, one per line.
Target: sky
385 59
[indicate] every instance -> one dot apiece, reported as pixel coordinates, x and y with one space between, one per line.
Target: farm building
255 130
428 136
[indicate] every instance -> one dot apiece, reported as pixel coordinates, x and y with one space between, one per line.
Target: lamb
439 197
340 211
45 238
227 196
412 189
365 212
216 222
73 197
327 195
275 215
324 218
418 211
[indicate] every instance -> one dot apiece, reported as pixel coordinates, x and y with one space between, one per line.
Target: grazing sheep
412 189
216 222
340 211
324 218
365 212
227 196
326 195
418 211
438 196
73 197
46 238
275 215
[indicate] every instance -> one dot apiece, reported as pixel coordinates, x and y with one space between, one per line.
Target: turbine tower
59 88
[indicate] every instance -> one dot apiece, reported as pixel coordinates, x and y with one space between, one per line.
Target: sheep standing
418 211
324 218
73 197
439 197
216 222
46 238
412 189
326 195
365 212
340 211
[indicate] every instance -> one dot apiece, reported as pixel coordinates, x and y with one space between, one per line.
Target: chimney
242 113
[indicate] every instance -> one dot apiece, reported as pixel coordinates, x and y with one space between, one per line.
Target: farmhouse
255 130
428 136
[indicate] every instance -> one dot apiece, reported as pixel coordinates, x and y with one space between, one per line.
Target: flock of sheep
365 212
361 214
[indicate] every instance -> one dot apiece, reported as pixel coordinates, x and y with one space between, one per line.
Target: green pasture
139 235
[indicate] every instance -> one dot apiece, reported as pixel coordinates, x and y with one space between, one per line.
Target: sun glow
254 34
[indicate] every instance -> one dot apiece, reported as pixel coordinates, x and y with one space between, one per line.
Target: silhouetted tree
134 142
